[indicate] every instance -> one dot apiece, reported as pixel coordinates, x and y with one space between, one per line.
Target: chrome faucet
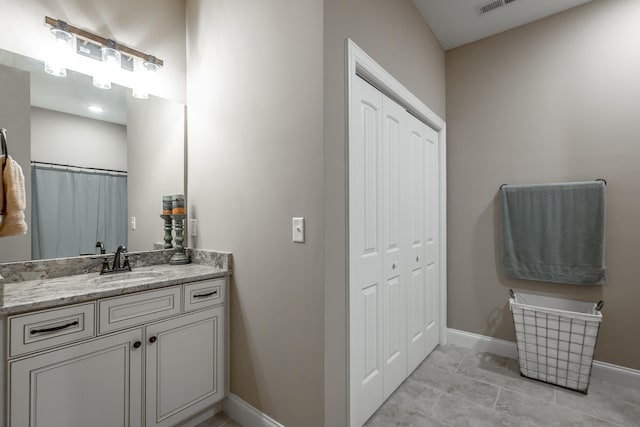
116 267
100 245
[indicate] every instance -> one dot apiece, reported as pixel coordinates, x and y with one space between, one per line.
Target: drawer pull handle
206 295
137 344
57 328
152 340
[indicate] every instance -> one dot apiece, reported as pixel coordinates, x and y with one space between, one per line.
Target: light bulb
60 53
145 78
108 68
95 109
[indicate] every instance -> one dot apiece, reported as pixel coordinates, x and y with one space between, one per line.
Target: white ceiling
456 22
71 94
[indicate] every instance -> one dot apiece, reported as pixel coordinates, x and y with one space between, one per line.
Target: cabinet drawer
131 310
44 329
204 294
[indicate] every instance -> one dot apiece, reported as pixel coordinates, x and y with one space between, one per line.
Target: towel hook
603 180
3 136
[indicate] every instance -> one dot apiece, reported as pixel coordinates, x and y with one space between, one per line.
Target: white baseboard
601 370
482 343
616 374
247 415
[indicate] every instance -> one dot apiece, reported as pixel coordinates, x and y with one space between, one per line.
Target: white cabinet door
365 252
97 383
394 196
184 366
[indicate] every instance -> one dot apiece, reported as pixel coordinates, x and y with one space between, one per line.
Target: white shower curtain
72 210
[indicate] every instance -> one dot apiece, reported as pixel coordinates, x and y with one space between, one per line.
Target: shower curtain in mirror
72 210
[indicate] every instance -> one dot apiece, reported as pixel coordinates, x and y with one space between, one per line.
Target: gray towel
554 232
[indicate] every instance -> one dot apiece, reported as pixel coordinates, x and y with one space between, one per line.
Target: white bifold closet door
393 209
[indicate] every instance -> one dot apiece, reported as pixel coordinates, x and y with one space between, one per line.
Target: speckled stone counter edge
52 268
33 295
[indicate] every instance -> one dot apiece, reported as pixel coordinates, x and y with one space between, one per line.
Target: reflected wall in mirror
90 175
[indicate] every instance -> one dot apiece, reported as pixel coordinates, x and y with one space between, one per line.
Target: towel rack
599 179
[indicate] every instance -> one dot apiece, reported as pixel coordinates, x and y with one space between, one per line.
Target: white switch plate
193 227
133 222
298 230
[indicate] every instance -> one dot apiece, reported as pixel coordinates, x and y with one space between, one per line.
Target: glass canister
178 204
167 204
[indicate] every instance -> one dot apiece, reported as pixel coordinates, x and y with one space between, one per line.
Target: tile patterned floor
457 387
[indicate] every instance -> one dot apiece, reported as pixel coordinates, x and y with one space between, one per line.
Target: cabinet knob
394 265
153 339
137 344
417 258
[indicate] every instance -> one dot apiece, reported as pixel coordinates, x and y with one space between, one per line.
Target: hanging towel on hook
554 232
13 203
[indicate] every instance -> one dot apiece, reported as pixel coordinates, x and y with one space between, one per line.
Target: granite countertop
46 293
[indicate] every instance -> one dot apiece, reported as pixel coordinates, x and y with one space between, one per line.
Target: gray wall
396 36
79 141
15 108
556 100
155 161
254 85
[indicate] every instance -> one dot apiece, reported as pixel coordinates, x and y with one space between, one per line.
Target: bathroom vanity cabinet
151 358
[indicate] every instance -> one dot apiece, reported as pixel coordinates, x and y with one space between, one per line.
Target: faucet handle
125 264
105 265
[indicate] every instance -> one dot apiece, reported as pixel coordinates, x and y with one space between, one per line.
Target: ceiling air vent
491 6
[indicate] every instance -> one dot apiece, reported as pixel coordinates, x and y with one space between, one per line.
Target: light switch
133 222
298 230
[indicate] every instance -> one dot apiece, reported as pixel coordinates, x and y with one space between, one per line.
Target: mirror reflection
100 162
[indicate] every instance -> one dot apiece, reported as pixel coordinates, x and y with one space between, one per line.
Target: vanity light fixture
113 58
60 52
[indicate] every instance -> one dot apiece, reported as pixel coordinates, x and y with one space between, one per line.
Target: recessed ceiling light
95 108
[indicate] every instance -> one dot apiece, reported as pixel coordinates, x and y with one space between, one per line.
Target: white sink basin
127 277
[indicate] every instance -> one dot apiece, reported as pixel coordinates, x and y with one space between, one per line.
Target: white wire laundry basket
556 338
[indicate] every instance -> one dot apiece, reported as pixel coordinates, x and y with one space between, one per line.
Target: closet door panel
415 257
432 296
366 249
394 195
